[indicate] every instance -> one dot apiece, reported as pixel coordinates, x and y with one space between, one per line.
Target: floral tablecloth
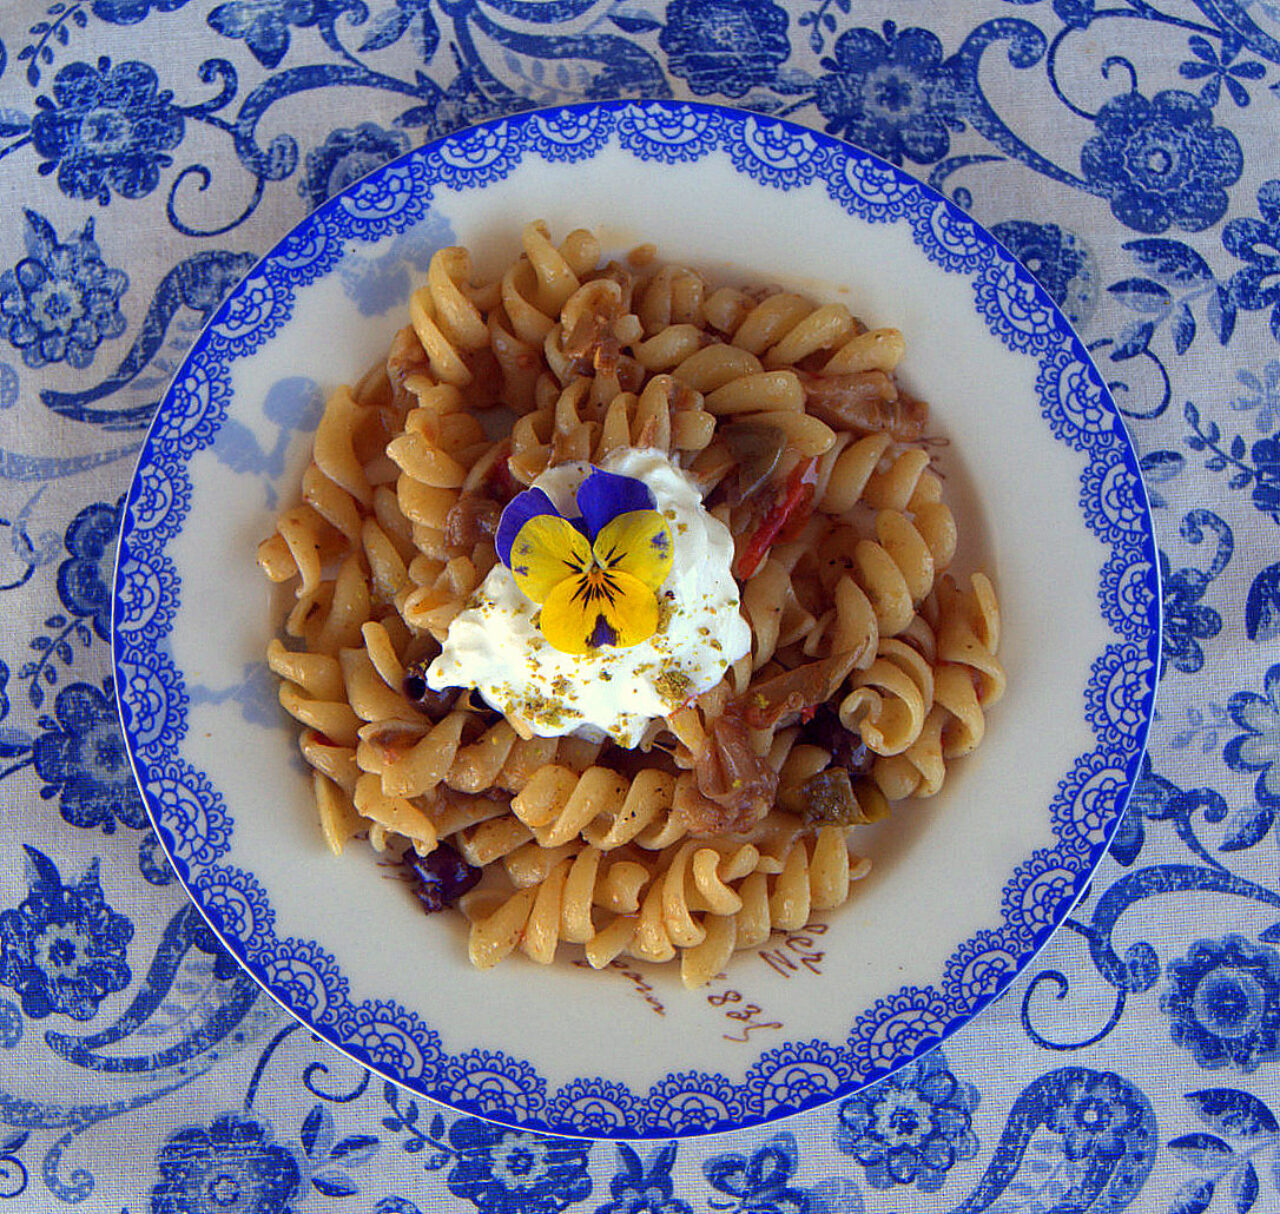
150 150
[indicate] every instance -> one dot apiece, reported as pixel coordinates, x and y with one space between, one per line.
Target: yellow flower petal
547 549
591 610
639 543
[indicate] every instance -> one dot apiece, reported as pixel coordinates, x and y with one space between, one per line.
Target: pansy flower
595 576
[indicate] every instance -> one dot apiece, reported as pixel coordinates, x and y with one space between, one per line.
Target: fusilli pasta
871 668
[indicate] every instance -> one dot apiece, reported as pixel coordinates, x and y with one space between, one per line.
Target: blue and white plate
966 887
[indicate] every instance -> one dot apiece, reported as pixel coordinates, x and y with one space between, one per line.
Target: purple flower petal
605 495
521 508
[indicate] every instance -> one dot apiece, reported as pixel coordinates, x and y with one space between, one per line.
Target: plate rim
645 1124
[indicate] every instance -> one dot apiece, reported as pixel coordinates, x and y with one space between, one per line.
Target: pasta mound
871 667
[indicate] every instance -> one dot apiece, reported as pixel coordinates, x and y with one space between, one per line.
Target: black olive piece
441 877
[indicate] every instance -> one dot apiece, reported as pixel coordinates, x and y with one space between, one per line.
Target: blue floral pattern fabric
152 150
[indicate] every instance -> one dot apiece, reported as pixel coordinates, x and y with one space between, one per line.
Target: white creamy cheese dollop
494 645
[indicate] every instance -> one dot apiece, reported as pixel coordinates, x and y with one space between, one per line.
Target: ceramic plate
966 887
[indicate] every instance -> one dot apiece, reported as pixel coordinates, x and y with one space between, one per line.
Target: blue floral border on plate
191 817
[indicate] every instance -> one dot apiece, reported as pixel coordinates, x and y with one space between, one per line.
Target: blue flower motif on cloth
233 1164
1224 1003
889 93
1187 621
84 578
63 949
1097 1114
1262 393
759 1183
1266 487
1059 259
61 301
911 1128
348 154
130 12
725 46
1219 69
264 24
644 1188
1161 162
106 129
1257 241
1258 748
505 1171
81 759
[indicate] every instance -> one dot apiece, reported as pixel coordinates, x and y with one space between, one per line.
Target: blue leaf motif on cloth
61 301
130 12
232 1164
507 1171
911 1128
1161 161
889 93
84 578
760 1181
1187 621
1224 1003
346 155
81 758
63 949
106 129
1258 749
1257 241
644 1188
1060 260
264 24
725 46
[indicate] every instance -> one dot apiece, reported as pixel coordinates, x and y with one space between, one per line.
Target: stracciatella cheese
495 646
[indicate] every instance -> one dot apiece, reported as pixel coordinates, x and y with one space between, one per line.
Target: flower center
892 93
596 586
104 131
59 303
1156 161
904 1119
224 1190
521 1162
1229 1002
57 950
1093 1115
107 752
